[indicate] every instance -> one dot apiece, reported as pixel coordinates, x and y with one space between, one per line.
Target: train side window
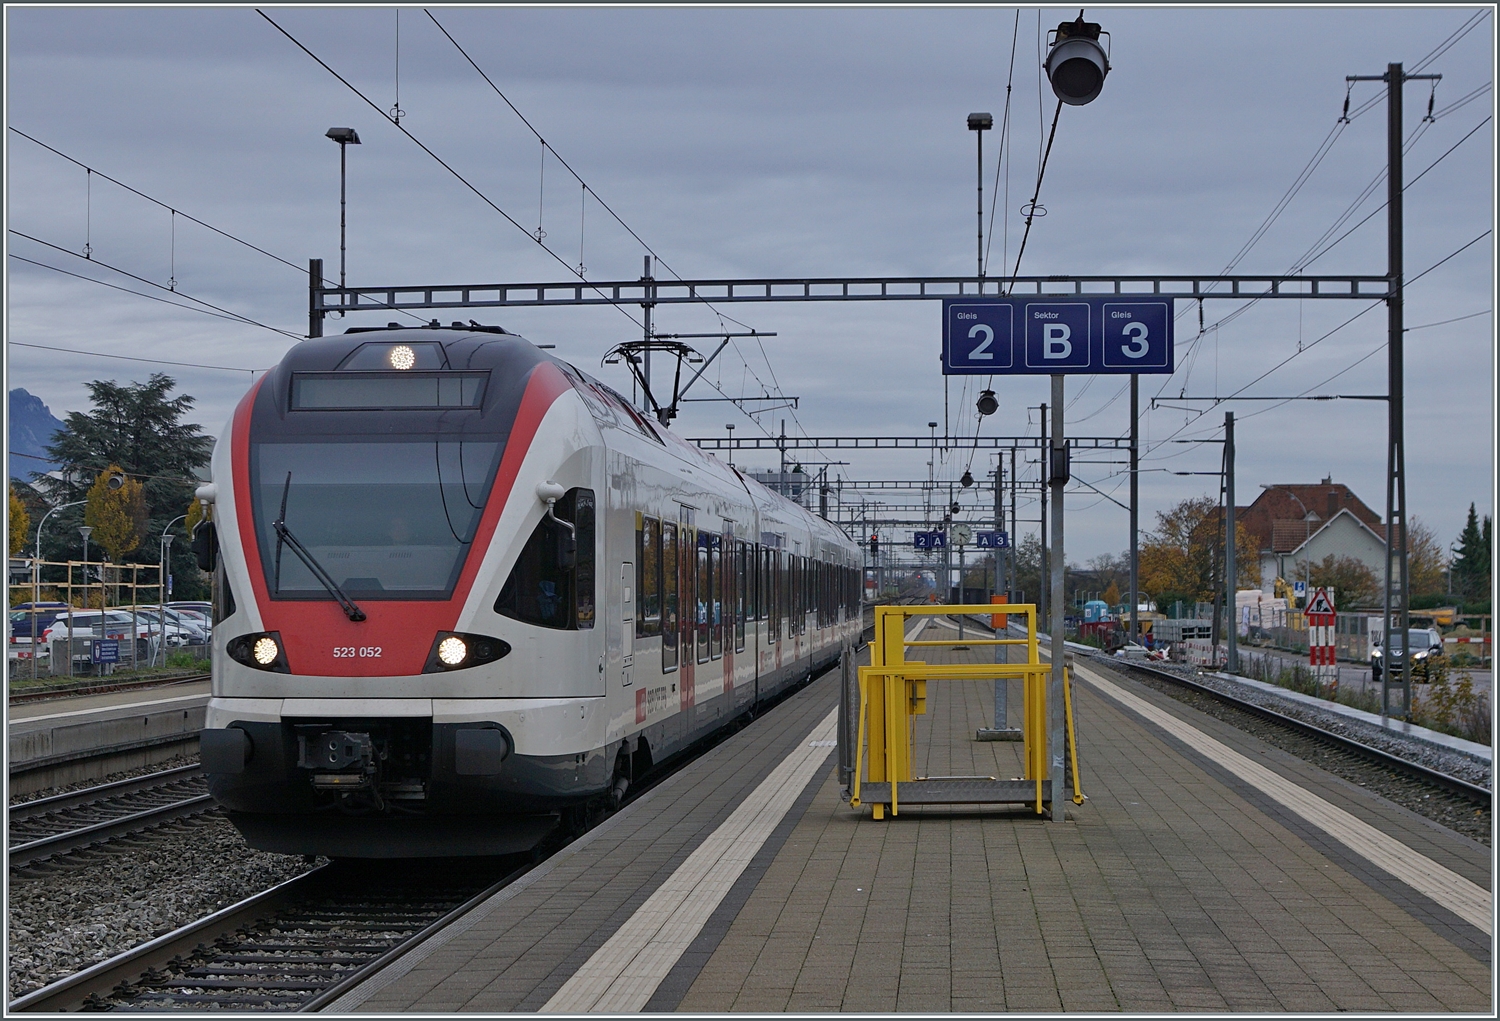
648 577
703 596
742 593
716 596
669 604
552 582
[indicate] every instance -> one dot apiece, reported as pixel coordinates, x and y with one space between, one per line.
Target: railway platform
85 737
1206 871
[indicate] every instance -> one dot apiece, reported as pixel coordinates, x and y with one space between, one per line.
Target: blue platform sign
106 650
929 540
992 540
1063 334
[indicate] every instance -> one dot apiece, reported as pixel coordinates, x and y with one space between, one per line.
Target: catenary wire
139 294
178 212
616 216
152 283
135 358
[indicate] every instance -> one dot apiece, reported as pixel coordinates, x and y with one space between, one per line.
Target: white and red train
465 591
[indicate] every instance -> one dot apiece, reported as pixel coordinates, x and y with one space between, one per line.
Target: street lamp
1076 64
345 137
979 123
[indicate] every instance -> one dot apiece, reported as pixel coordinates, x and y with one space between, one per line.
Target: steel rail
103 688
1456 785
385 960
100 979
1479 795
76 799
72 840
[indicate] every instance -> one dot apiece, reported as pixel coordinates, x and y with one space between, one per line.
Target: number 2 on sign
982 349
1137 347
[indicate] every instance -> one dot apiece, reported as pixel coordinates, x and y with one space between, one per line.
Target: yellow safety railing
893 691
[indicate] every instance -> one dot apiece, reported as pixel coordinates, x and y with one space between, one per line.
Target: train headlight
452 650
260 650
265 650
402 357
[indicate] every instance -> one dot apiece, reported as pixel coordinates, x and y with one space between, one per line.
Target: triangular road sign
1320 602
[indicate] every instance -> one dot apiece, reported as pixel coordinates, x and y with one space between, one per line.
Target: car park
196 630
114 624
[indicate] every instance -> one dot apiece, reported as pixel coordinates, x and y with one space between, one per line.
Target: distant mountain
32 426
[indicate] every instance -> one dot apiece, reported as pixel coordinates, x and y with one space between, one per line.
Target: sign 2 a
1065 334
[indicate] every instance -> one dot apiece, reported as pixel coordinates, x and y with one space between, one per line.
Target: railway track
103 687
296 946
1479 796
54 826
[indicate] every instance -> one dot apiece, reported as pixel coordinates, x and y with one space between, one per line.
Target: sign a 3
992 540
1066 334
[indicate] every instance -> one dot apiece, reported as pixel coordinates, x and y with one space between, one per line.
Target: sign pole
1057 465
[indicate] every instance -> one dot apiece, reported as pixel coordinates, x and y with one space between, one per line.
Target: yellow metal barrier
893 691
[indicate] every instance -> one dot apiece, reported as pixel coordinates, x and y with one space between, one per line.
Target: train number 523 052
356 651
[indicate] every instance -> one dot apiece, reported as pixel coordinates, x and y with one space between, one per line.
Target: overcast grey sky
780 142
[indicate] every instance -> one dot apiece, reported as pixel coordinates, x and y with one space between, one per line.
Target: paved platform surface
84 737
1182 884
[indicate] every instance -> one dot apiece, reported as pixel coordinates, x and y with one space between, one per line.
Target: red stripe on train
402 630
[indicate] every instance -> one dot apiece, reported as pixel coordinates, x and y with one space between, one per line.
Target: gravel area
102 902
1451 810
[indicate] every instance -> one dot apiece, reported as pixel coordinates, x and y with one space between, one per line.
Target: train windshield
385 520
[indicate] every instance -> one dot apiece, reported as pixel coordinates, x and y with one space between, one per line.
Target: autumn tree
18 523
1184 554
1351 581
1425 559
116 511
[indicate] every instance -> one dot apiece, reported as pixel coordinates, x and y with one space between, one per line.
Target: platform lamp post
729 428
85 531
979 123
36 577
1076 66
164 551
345 137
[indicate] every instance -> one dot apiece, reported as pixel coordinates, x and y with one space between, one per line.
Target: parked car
196 630
26 616
203 609
113 624
1426 646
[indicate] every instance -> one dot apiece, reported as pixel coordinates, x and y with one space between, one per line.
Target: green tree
18 523
1353 583
116 513
1471 561
141 429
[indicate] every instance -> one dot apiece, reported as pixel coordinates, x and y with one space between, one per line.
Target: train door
627 621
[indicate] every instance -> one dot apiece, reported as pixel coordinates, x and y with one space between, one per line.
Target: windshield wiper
284 535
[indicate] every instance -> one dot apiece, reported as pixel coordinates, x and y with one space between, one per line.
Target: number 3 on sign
982 349
1137 347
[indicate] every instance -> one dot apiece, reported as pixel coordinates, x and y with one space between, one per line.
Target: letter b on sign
1057 335
1056 344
